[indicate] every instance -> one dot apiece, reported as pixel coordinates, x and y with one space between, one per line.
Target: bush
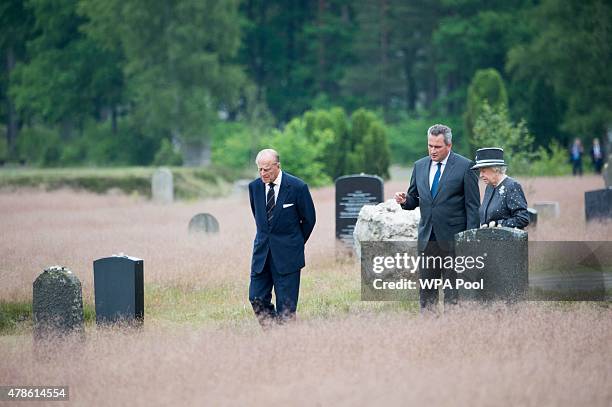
3 149
234 145
167 155
39 146
493 128
298 155
408 138
551 161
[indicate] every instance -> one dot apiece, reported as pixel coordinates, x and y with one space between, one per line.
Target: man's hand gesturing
400 197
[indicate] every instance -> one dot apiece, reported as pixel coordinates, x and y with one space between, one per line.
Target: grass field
201 345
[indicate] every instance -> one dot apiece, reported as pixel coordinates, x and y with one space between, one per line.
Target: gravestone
598 204
119 289
162 186
352 193
386 221
57 303
607 172
533 217
547 209
504 252
203 223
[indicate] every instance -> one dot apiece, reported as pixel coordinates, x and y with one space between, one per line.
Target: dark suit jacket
293 221
455 207
506 204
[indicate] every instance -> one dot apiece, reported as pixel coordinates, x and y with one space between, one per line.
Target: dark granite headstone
203 223
57 303
533 217
505 274
119 289
352 193
598 204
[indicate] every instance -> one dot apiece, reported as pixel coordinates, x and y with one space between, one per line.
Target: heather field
200 344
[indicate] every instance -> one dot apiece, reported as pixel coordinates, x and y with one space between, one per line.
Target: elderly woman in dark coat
504 202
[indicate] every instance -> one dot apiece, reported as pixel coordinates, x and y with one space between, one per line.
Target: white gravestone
162 186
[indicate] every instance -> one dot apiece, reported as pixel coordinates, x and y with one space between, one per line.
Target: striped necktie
270 201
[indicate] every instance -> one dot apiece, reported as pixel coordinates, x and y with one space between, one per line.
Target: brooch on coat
502 190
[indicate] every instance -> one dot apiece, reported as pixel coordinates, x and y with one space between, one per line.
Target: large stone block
386 221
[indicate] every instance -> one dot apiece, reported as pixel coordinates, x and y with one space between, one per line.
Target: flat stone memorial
352 193
203 223
57 303
547 209
598 204
119 290
162 186
533 218
504 256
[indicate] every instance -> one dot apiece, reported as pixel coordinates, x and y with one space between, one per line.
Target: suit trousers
286 289
428 297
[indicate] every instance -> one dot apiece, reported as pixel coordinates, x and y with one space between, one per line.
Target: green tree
67 77
569 49
179 61
487 86
17 24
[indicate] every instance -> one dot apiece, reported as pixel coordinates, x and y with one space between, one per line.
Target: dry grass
528 356
342 351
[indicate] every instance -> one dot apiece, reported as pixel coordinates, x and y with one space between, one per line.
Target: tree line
156 82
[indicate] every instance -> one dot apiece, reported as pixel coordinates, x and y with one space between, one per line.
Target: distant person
446 191
285 216
597 156
576 151
504 202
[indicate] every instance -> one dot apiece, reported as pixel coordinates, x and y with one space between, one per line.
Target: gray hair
438 129
267 152
501 169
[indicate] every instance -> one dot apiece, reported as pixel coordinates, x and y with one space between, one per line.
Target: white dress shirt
434 167
277 183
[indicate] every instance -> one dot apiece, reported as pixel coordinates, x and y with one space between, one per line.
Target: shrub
167 155
39 146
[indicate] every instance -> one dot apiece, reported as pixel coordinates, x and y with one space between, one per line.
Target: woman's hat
489 157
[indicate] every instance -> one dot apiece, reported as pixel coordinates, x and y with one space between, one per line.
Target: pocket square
287 205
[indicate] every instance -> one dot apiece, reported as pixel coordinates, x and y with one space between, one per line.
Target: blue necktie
436 181
270 201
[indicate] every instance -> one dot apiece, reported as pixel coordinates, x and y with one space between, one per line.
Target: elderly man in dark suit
445 189
285 216
504 202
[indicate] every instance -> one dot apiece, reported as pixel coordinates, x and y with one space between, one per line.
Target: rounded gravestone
57 303
504 254
162 186
203 223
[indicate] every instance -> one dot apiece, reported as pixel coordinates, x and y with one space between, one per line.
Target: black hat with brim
489 157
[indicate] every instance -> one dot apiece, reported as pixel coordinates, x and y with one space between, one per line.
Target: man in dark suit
285 216
446 191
